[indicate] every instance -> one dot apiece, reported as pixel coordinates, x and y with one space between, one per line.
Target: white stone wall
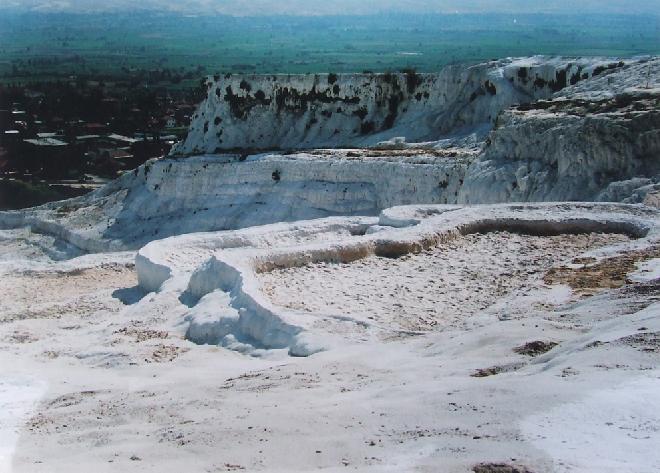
343 110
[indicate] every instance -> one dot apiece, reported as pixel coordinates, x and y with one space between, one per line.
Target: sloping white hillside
344 309
598 140
349 110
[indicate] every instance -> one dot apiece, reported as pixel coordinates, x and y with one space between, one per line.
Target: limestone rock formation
596 140
599 140
341 110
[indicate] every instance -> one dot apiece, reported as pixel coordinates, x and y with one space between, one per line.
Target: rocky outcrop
599 141
174 196
229 308
342 110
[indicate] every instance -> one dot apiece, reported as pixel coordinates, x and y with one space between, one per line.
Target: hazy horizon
338 7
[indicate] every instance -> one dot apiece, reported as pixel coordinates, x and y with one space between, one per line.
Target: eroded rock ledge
228 306
340 110
596 140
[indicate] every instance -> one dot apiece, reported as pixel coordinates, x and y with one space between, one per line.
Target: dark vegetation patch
535 348
393 109
142 335
577 76
240 106
540 82
367 127
644 340
361 112
293 100
493 370
332 78
477 93
484 372
499 468
244 85
490 87
413 80
624 102
648 342
608 273
614 65
16 194
312 121
648 289
559 82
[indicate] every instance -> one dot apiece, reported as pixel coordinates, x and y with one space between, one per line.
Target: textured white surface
230 264
18 398
144 368
313 111
596 141
611 430
122 384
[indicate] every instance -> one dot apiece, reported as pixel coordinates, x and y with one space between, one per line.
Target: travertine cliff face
174 196
597 141
330 110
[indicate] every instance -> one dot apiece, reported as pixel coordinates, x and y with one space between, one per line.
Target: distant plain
45 46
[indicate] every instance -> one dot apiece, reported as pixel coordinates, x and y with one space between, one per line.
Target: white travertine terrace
410 306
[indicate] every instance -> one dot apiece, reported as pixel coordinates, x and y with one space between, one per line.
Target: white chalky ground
440 287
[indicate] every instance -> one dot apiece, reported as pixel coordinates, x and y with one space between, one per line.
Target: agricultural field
39 47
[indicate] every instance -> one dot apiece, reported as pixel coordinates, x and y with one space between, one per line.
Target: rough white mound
330 110
175 196
485 338
566 358
597 140
226 297
440 287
